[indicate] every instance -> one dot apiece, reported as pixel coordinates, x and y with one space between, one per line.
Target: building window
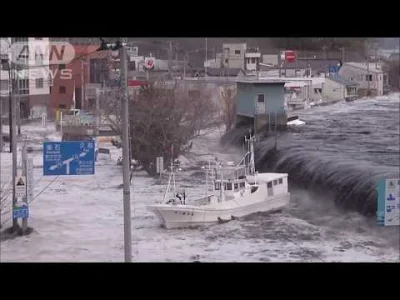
237 52
226 60
62 89
19 39
62 66
38 39
275 182
23 86
260 98
62 106
99 70
368 77
280 180
39 83
317 91
253 60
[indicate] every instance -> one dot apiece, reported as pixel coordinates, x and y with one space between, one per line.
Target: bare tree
162 114
228 95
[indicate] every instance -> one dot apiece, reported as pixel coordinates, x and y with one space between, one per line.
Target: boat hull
184 216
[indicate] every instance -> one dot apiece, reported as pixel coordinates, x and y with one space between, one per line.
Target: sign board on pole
69 158
29 179
21 211
388 213
290 56
20 186
160 164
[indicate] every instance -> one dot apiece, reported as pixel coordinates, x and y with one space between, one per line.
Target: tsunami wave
339 155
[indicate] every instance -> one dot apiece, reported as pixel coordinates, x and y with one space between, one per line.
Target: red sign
290 56
134 83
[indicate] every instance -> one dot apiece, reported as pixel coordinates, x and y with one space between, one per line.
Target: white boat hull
183 216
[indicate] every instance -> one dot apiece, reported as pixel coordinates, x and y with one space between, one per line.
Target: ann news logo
42 53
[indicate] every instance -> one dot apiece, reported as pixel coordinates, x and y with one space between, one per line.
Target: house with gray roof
370 77
339 88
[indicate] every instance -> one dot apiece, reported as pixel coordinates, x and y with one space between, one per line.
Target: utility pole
82 86
1 124
25 173
205 67
97 111
125 154
170 58
18 104
13 141
343 55
11 77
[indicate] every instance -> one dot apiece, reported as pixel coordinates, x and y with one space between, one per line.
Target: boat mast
252 163
222 187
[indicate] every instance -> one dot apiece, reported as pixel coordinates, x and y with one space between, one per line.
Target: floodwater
334 162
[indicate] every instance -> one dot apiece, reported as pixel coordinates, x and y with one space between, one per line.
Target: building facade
261 103
29 75
369 76
89 70
337 88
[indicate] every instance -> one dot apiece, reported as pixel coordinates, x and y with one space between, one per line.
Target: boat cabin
230 185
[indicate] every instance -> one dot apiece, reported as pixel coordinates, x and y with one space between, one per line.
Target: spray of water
340 154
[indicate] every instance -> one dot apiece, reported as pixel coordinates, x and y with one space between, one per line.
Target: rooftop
261 81
343 81
364 66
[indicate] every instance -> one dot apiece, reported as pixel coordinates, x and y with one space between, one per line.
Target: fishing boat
236 192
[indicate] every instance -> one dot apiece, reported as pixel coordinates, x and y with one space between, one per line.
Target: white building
367 75
39 76
252 59
337 88
32 74
232 55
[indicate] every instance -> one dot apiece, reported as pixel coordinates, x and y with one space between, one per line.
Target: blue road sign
21 212
68 158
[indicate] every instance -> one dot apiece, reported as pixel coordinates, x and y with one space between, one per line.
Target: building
303 68
216 72
30 75
369 76
90 69
261 103
252 59
233 55
338 88
37 84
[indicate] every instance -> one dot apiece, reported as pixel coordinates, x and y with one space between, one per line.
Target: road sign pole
125 156
25 199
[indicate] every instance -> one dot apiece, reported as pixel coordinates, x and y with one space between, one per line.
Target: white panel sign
20 186
160 164
392 203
